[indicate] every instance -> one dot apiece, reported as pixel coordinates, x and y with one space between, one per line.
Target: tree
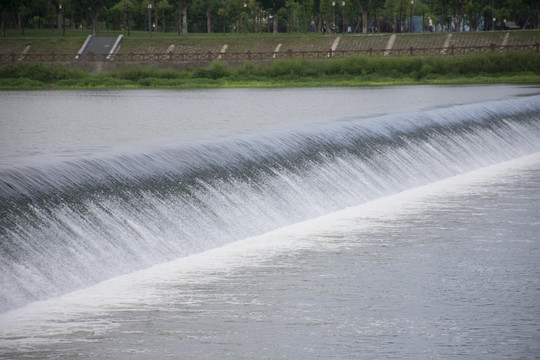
397 10
7 6
126 8
182 8
306 10
163 5
275 5
24 9
94 7
365 6
459 10
291 8
208 6
533 13
474 11
222 11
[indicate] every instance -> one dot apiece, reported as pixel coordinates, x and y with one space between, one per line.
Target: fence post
290 53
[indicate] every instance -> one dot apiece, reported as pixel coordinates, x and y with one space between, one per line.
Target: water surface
392 222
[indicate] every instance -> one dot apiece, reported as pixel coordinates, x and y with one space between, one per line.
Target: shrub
20 83
40 72
216 71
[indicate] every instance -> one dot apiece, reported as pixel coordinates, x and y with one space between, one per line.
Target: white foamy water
425 272
348 228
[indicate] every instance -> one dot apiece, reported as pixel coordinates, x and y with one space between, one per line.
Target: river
333 223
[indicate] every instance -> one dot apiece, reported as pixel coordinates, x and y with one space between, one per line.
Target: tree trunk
21 23
208 19
4 20
163 21
457 23
184 21
95 22
274 13
364 22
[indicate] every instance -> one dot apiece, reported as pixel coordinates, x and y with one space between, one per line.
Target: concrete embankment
200 50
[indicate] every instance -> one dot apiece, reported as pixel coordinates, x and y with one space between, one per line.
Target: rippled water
37 122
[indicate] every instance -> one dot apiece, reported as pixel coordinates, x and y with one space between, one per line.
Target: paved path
336 43
390 44
98 45
446 44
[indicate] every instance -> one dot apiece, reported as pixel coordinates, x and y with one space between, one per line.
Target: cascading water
66 223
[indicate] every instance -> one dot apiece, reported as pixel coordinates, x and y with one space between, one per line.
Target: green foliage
20 84
356 70
217 70
138 72
99 81
39 72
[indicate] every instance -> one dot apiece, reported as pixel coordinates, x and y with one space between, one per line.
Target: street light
492 18
245 19
411 25
61 19
128 24
333 16
149 20
343 8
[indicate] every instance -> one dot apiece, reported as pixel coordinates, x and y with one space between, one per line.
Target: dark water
407 234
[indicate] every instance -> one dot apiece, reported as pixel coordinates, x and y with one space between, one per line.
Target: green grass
48 41
351 71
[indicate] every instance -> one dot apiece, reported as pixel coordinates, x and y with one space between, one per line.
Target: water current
326 223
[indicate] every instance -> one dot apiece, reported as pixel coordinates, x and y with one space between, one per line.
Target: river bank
352 71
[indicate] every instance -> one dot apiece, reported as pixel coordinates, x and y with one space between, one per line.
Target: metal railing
205 57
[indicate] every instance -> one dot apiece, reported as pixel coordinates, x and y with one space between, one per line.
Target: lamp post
61 19
149 20
343 11
492 17
127 16
245 19
411 25
333 16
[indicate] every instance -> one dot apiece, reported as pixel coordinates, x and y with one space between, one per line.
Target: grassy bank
47 41
352 71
